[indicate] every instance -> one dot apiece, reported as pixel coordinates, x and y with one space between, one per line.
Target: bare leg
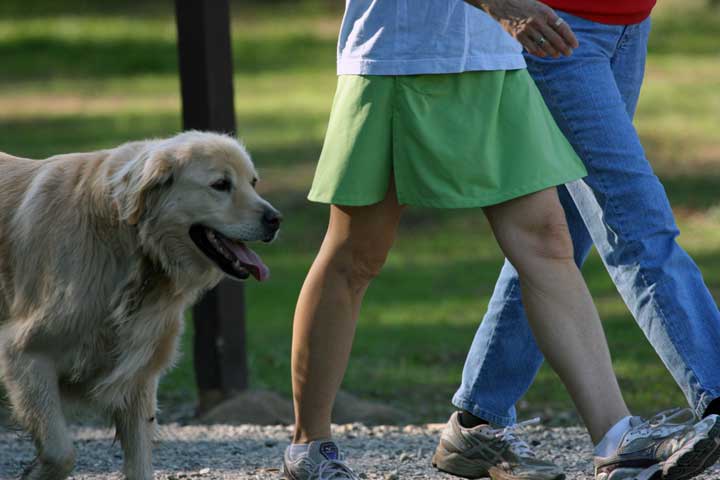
135 429
32 385
533 234
353 252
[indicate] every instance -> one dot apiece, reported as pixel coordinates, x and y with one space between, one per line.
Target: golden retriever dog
100 254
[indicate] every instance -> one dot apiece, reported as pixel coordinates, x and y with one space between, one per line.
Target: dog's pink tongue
250 260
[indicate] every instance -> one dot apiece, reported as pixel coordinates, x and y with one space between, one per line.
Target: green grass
87 78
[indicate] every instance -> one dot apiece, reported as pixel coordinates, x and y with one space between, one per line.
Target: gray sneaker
321 461
484 451
667 447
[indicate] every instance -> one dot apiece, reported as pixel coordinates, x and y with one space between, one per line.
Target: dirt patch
261 407
351 409
258 407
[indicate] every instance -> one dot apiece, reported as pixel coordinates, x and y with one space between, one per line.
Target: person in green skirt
434 107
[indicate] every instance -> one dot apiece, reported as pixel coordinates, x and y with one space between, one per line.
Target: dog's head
193 200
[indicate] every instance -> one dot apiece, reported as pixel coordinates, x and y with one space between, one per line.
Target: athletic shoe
321 461
663 447
484 451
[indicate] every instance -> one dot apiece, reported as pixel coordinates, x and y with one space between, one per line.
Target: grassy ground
87 79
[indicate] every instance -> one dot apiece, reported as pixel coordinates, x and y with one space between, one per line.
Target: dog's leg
34 394
136 429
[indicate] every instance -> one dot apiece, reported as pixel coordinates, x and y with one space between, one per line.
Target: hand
535 25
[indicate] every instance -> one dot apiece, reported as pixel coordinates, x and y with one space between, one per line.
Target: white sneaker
666 447
320 461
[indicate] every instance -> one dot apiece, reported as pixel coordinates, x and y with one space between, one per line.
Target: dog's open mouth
231 256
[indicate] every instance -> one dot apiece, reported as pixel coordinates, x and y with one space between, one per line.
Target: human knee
359 265
547 237
366 265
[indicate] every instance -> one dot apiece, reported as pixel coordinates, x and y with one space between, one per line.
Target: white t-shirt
407 37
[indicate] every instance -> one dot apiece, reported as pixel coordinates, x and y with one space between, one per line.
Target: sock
713 408
468 420
316 449
611 440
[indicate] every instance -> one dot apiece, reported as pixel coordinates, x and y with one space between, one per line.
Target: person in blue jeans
622 208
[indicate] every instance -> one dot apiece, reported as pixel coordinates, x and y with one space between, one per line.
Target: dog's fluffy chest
109 362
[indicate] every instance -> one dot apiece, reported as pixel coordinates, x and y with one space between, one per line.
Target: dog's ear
138 178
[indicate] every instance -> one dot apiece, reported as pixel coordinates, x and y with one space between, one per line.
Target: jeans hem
703 403
496 420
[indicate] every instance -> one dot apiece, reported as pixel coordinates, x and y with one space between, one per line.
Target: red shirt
616 12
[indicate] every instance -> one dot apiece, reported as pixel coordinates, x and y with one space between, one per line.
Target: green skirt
455 140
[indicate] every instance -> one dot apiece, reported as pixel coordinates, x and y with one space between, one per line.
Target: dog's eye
253 182
223 185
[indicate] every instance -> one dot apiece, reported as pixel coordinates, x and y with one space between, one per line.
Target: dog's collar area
148 271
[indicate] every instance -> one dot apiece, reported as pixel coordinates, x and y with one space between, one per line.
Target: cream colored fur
96 269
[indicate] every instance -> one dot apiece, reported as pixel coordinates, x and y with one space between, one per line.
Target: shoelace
667 416
663 422
518 446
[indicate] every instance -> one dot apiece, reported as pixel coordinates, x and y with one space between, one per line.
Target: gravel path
253 452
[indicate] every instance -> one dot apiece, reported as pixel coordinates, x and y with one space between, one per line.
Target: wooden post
206 76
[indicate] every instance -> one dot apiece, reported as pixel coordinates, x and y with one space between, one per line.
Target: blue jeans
622 208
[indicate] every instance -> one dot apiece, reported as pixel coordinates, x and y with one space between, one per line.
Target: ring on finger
540 41
559 22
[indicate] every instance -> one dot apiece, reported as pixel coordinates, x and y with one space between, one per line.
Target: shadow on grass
696 192
42 8
43 137
687 32
44 55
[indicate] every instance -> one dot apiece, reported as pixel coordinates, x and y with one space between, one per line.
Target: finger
541 43
529 44
563 29
553 39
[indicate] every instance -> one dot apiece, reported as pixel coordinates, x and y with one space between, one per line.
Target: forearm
481 4
504 8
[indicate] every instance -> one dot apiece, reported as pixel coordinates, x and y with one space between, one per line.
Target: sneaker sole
456 464
287 474
701 456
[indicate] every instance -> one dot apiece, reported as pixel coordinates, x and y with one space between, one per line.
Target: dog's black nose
272 219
